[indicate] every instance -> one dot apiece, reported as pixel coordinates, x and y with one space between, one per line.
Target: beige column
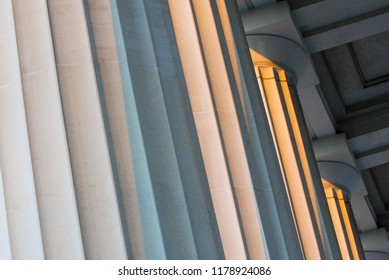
269 77
230 129
15 160
5 246
207 128
51 165
95 190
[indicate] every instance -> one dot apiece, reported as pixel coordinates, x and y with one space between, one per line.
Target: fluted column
5 246
280 233
347 220
231 129
15 160
273 79
162 123
337 220
315 191
342 221
51 164
199 91
94 184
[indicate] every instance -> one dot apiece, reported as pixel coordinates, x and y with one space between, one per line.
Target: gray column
198 198
146 92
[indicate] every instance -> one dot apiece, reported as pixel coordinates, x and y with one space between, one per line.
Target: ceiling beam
369 141
347 31
374 159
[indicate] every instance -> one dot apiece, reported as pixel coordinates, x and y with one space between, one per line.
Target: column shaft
337 221
316 195
15 160
280 233
148 97
51 165
290 161
207 128
5 245
183 130
347 225
95 190
230 129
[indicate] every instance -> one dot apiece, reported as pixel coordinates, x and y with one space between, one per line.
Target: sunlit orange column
272 81
337 220
341 220
310 173
207 128
347 224
276 217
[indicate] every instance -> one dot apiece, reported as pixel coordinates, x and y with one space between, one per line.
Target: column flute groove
49 151
15 157
97 203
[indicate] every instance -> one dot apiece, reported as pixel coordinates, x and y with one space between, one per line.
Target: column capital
278 52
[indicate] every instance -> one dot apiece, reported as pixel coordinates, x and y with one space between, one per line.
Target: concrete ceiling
349 45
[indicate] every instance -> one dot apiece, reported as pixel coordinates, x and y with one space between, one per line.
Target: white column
231 130
207 128
15 160
95 190
5 245
51 165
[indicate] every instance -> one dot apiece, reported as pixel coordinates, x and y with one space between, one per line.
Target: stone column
279 228
97 203
351 227
15 160
337 219
272 80
347 221
49 151
207 127
5 245
227 103
157 116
